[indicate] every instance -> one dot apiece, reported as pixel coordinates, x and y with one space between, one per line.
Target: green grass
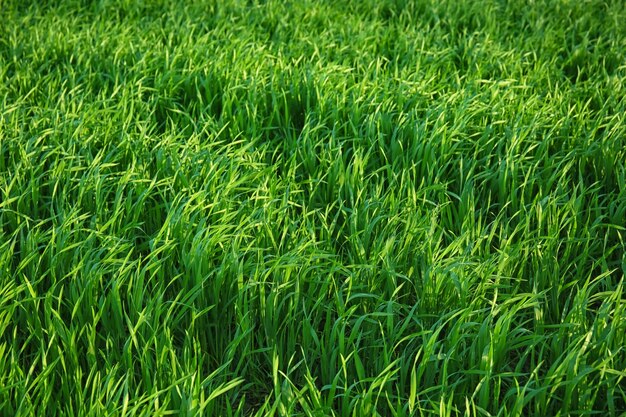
313 208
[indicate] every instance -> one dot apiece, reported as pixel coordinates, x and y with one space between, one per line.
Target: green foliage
312 208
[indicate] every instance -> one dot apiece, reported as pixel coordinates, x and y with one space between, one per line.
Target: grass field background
312 208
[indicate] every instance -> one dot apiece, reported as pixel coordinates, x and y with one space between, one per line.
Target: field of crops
312 208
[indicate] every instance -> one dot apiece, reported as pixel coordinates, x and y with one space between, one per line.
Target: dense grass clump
313 208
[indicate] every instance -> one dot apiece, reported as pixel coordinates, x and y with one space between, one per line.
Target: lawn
312 208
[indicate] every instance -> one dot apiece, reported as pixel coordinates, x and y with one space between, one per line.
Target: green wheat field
312 208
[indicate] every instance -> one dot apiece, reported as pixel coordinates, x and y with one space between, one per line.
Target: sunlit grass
312 208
